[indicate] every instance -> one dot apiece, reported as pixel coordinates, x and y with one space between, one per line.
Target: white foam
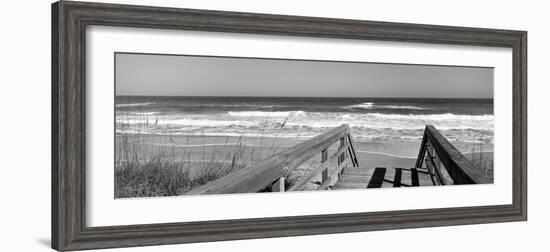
266 114
372 105
144 113
365 105
375 127
401 107
134 104
320 120
434 117
205 122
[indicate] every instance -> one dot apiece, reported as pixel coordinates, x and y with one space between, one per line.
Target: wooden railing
338 160
445 162
271 171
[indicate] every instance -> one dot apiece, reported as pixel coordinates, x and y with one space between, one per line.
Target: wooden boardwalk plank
388 179
397 177
414 177
354 179
349 185
424 177
377 178
406 177
382 177
358 170
357 174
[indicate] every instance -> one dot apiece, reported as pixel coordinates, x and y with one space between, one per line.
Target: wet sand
222 149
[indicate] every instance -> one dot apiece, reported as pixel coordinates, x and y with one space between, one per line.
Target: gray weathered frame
69 20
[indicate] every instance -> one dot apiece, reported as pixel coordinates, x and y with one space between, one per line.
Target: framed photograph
178 125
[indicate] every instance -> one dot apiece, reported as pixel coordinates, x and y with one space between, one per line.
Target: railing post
342 156
422 151
351 151
439 168
431 163
279 185
324 157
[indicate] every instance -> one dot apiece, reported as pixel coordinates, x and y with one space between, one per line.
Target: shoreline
199 149
394 149
221 144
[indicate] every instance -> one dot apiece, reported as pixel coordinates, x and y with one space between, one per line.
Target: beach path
382 177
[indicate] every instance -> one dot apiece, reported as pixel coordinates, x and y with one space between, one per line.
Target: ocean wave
365 127
365 105
134 104
308 120
401 107
206 122
433 117
372 105
143 113
266 114
238 105
365 116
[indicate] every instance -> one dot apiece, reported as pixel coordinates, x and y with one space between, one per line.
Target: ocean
467 123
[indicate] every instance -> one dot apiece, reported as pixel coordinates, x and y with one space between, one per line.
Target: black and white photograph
194 125
270 126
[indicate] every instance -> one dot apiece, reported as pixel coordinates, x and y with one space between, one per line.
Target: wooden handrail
271 169
458 167
324 166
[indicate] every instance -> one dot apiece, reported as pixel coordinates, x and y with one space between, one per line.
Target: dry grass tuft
143 171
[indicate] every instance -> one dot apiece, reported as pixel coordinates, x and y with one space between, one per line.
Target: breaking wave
134 104
367 127
372 105
268 114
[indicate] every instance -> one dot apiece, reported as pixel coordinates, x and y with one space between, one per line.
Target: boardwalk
381 177
438 163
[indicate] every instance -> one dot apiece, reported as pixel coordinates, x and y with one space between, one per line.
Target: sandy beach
200 153
221 148
218 148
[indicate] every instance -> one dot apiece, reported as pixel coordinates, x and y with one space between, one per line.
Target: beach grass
163 165
145 171
483 161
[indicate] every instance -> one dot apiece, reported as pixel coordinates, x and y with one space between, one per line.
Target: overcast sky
141 74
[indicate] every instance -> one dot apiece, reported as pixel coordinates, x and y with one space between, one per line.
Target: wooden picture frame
69 20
